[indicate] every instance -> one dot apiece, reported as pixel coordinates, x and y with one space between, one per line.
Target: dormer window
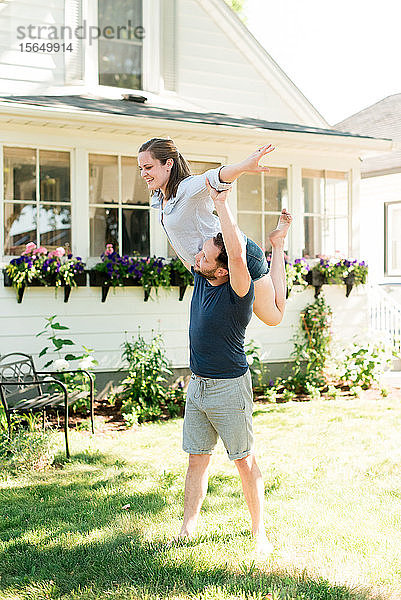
120 49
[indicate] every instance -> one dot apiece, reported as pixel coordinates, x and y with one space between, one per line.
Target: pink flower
109 249
40 250
30 247
59 252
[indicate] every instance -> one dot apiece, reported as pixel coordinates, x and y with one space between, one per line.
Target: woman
186 215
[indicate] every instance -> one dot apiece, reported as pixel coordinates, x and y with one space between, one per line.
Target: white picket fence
385 317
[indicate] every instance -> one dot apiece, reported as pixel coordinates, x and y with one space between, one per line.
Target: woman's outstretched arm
250 164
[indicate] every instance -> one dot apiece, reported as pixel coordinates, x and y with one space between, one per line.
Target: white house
189 69
381 192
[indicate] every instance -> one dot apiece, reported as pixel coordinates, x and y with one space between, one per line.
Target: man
219 398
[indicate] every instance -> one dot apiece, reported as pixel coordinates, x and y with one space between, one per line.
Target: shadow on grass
77 544
89 457
148 569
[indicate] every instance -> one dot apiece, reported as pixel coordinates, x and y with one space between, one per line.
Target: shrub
361 367
145 395
76 383
312 348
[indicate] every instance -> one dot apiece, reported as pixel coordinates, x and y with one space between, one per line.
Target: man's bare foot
179 540
262 545
283 225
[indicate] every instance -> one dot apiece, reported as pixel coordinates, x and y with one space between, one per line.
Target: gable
223 68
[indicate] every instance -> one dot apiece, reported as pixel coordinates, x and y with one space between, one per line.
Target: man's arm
234 242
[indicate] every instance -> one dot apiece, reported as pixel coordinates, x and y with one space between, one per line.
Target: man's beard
209 274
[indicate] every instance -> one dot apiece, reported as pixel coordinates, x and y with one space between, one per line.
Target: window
37 202
118 205
393 238
261 196
325 201
120 48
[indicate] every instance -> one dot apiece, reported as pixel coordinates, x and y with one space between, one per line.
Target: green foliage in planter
336 270
312 346
186 276
145 395
150 272
295 273
75 382
55 267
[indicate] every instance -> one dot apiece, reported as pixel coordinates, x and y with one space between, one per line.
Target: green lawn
333 509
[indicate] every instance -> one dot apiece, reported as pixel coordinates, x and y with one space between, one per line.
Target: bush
145 395
361 367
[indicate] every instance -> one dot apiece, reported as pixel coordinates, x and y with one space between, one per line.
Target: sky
343 55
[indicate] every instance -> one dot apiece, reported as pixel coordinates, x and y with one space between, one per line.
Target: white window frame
3 201
388 271
120 206
151 69
262 213
323 216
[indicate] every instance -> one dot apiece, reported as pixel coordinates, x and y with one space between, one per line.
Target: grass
333 493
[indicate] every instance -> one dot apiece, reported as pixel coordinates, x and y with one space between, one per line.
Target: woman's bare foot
279 234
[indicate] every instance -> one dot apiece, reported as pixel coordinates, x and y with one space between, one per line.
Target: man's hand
218 198
251 163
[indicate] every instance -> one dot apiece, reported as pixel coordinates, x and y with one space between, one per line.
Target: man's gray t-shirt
218 321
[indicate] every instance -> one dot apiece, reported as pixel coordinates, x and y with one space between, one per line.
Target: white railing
385 317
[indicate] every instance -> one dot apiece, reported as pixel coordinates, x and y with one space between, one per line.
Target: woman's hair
162 149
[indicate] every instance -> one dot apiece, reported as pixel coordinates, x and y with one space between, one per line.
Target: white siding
23 72
105 326
215 75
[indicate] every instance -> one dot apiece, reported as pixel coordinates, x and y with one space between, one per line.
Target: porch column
354 229
80 203
296 233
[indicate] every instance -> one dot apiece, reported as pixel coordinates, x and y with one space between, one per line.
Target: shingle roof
382 119
127 108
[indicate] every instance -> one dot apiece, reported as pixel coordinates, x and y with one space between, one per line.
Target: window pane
337 195
136 232
134 189
19 174
251 225
335 236
276 195
103 224
312 239
120 56
198 167
270 224
19 227
313 194
103 179
54 170
54 226
120 13
250 192
120 64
